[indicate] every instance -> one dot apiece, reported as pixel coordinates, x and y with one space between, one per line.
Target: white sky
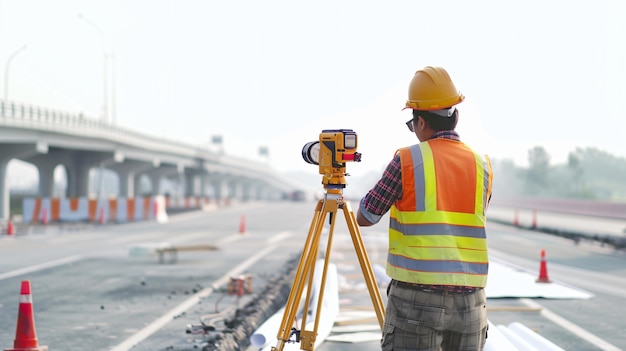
275 73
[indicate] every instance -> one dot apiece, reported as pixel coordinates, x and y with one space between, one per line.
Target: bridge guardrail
18 115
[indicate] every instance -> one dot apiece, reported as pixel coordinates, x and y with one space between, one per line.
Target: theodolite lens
311 152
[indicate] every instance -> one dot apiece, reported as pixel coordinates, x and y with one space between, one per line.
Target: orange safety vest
437 229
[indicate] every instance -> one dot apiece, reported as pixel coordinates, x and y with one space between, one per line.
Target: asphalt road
90 294
589 266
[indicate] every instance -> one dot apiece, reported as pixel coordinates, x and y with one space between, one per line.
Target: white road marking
573 328
40 266
163 236
278 237
230 238
74 238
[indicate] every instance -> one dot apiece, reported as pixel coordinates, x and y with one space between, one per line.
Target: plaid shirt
388 189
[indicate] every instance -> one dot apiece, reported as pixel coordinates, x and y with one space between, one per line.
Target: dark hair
436 122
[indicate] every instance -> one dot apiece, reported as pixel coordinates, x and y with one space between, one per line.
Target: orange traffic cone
242 224
101 216
44 216
516 218
543 269
155 209
25 335
10 228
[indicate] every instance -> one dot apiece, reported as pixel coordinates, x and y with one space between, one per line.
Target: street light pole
6 72
113 110
105 96
113 92
114 82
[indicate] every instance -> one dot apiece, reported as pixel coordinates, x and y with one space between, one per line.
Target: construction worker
437 191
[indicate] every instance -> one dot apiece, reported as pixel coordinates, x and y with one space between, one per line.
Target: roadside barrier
44 210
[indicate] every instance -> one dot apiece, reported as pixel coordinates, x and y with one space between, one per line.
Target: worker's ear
421 123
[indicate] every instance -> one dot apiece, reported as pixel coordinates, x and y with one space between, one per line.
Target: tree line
588 173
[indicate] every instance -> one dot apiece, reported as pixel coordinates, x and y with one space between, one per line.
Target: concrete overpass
47 138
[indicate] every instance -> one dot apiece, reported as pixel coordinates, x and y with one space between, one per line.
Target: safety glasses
447 113
409 124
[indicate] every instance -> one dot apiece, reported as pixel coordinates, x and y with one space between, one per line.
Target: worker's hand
360 219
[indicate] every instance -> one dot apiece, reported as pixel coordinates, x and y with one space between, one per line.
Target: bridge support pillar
191 185
78 171
127 183
78 180
4 189
255 192
250 191
46 177
156 174
235 190
204 183
220 189
17 151
127 172
155 183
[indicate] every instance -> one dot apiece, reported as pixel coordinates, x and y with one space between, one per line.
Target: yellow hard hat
432 89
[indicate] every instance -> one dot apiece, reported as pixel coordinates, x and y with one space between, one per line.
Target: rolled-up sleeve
372 218
384 194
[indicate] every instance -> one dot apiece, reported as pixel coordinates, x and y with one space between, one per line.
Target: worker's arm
364 217
381 197
360 219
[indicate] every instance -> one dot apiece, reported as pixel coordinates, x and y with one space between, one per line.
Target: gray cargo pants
419 320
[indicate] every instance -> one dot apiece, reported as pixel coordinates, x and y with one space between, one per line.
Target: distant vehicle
297 195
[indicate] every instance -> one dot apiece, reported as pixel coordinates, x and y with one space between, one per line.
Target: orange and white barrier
43 210
187 202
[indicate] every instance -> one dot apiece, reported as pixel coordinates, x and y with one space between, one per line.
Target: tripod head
331 152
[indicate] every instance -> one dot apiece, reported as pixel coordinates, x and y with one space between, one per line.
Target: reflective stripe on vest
437 230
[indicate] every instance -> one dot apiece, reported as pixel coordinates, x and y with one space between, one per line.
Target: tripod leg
308 337
364 261
303 274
